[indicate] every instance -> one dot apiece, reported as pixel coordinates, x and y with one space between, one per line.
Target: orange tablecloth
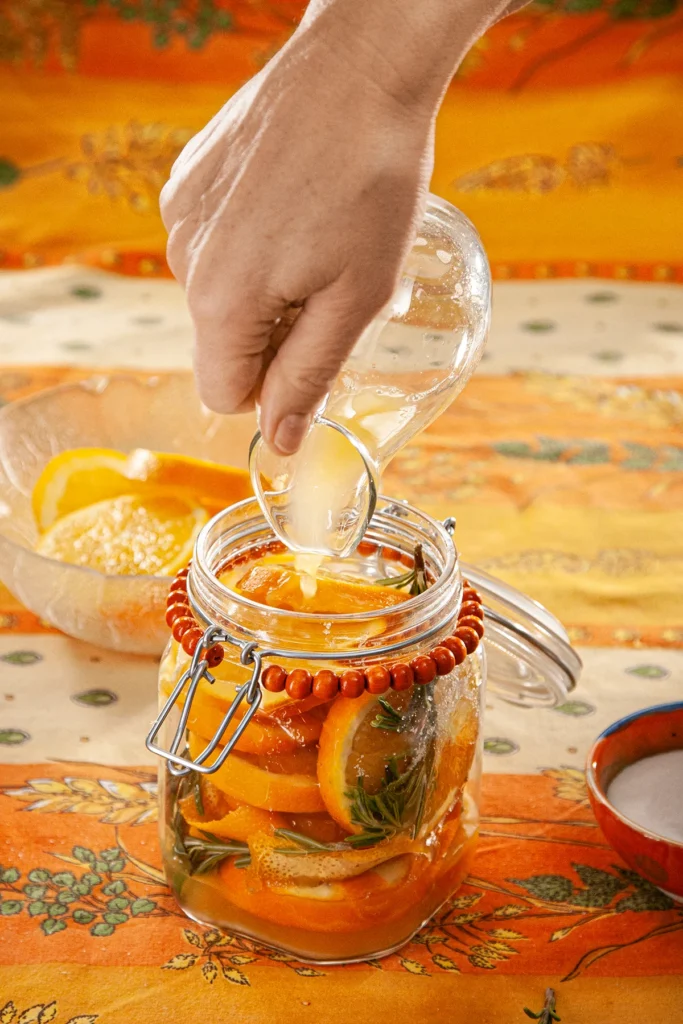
547 902
560 138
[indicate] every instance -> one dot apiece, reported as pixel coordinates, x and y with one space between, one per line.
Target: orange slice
350 746
377 896
129 535
248 783
260 736
280 862
230 674
82 476
455 751
241 824
283 587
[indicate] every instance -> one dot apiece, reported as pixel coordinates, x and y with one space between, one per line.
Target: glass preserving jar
322 750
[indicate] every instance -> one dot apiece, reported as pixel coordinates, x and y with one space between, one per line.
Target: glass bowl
162 413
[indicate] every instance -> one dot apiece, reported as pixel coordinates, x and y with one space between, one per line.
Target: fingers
231 354
309 360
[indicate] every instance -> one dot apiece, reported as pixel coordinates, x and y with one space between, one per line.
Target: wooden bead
299 683
178 587
470 595
191 639
444 660
366 547
181 626
402 677
175 612
325 684
183 574
378 679
469 637
424 668
179 598
470 608
391 555
474 622
215 655
456 647
274 679
351 683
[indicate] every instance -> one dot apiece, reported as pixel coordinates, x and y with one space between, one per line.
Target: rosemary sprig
205 856
415 578
392 809
389 719
547 1014
303 844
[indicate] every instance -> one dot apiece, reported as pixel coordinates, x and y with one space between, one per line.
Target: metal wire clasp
198 670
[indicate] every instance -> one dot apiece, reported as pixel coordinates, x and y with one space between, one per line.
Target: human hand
306 190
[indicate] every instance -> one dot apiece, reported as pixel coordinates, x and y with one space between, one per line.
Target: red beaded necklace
325 684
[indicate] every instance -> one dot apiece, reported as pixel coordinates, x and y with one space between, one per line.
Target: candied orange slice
377 896
455 751
230 674
130 535
260 736
279 861
283 587
83 476
246 782
241 824
350 746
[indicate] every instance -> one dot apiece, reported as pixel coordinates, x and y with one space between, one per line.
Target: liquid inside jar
337 825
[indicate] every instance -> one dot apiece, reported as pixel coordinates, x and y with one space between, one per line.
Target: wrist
408 50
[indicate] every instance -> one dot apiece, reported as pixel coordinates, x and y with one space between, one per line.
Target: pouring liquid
406 368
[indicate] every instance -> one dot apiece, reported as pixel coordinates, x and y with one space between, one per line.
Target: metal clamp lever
198 670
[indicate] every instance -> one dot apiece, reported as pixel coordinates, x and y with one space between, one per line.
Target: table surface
570 488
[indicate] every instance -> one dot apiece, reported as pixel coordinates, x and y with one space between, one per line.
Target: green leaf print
553 888
648 671
83 916
64 878
8 908
95 698
13 737
21 657
52 926
102 929
84 855
142 906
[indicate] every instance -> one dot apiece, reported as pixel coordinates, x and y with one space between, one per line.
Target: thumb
308 361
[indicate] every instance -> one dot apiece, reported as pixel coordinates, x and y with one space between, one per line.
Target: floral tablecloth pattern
562 462
88 930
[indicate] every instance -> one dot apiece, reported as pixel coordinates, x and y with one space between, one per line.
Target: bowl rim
95 384
596 792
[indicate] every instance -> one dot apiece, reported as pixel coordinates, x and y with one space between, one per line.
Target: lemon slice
129 535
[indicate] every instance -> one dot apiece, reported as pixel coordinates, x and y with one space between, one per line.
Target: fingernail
290 432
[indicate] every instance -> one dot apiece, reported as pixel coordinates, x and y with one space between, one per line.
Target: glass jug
405 369
320 777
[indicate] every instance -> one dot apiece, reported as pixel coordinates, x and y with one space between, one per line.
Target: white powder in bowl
650 793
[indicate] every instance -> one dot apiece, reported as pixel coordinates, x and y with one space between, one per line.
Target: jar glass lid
530 661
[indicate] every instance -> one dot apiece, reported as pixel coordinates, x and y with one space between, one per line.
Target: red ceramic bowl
652 731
